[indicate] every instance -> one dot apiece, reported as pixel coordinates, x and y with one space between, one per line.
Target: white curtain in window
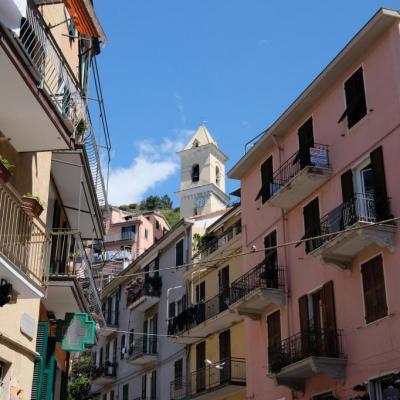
11 13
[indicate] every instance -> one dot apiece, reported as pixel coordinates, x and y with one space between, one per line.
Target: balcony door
224 356
306 141
223 284
365 189
200 367
270 274
200 300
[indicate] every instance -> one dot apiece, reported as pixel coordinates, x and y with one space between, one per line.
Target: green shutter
40 360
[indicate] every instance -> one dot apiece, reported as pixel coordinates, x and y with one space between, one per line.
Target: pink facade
369 349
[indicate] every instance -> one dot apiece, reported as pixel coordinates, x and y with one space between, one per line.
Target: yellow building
51 196
211 329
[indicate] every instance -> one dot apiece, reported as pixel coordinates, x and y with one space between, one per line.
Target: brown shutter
274 338
266 179
329 320
303 312
380 192
306 140
312 224
374 289
347 186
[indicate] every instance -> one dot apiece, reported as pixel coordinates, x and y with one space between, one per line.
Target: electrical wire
291 243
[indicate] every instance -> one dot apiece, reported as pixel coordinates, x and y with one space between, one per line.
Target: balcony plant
5 173
32 205
80 130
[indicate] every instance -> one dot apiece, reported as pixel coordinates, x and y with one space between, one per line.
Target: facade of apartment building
325 321
127 236
134 358
211 330
46 134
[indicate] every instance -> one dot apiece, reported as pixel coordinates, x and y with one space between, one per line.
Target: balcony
340 249
24 247
296 179
71 286
299 357
224 378
200 320
105 374
143 351
144 293
261 287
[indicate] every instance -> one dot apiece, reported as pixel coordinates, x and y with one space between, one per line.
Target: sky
170 65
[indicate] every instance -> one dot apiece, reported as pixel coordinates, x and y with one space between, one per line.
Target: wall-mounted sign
27 325
319 157
76 331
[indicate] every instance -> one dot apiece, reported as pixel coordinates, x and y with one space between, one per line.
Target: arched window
195 143
217 175
195 172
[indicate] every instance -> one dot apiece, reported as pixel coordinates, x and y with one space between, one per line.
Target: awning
85 19
11 13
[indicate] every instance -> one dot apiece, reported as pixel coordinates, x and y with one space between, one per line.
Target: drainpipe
280 148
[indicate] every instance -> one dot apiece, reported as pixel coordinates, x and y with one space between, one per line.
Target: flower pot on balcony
5 173
31 206
81 128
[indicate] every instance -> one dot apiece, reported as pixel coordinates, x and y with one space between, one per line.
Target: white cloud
155 163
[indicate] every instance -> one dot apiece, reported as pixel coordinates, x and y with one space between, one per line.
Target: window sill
359 124
378 321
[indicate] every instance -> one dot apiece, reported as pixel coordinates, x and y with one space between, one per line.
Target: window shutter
274 337
306 141
123 346
347 187
304 316
125 392
380 192
145 337
154 385
312 224
40 361
329 319
144 383
171 309
356 106
374 289
266 180
179 253
154 337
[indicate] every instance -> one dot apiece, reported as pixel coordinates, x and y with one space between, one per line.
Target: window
217 175
146 234
195 173
270 274
2 372
105 396
311 225
179 253
356 105
125 392
195 143
123 346
324 396
128 232
131 340
385 388
171 310
200 364
374 289
153 394
178 374
306 141
266 180
223 288
224 339
274 338
157 225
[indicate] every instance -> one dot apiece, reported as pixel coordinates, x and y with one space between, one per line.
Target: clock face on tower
200 202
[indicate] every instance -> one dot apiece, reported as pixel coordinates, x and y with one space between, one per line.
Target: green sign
76 331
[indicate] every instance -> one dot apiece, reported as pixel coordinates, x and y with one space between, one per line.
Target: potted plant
32 205
5 173
71 258
81 128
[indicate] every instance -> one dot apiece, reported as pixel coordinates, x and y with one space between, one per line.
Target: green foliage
5 162
80 377
156 202
29 195
173 216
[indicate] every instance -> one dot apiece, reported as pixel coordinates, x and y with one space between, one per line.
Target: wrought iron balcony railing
143 346
57 80
215 243
24 241
360 209
68 257
265 275
230 371
108 369
314 342
149 286
297 162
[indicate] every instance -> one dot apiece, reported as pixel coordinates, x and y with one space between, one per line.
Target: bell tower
202 188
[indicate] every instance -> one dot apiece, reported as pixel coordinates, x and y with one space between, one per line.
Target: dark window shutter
144 383
303 313
347 186
178 374
123 346
145 336
154 337
329 318
312 224
125 392
42 336
380 192
266 180
306 141
179 253
356 106
153 385
374 289
274 337
171 309
107 352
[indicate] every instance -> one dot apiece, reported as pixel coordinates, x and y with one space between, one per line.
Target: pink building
128 235
323 317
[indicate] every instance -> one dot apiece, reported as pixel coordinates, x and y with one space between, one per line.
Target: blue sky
237 64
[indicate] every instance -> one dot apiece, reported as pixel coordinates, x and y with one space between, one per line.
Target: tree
80 377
